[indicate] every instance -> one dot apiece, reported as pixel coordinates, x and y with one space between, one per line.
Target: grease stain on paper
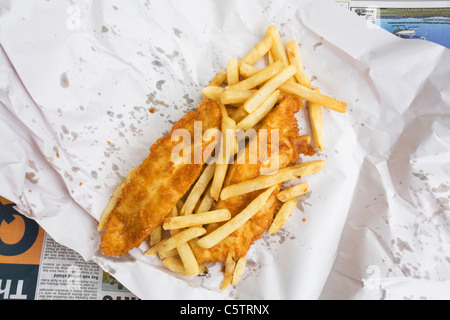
421 175
177 32
64 80
31 176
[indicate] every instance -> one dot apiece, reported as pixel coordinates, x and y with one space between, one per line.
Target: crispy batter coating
282 117
156 186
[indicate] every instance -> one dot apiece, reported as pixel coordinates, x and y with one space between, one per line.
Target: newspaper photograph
426 20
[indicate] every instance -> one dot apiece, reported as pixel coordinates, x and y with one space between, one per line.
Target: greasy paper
86 88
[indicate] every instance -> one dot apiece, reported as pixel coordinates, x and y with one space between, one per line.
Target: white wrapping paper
78 80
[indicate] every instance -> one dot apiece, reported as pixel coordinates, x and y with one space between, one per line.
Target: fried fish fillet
291 144
155 187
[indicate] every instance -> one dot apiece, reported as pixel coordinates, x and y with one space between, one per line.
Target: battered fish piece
155 186
282 117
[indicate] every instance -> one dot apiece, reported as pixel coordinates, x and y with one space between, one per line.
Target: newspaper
33 266
426 20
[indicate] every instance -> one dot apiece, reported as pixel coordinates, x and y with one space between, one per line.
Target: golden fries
185 252
258 78
315 119
270 58
198 189
175 240
197 219
257 52
282 215
232 71
238 114
229 96
239 270
156 236
253 118
206 202
305 93
213 93
277 49
176 265
293 192
295 60
248 70
270 86
211 239
228 147
263 182
229 270
188 259
219 79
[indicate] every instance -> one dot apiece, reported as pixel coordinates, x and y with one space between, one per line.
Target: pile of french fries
246 94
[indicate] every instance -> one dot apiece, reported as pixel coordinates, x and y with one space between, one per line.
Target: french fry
214 237
197 219
206 202
156 235
183 250
305 93
239 270
270 86
257 52
315 119
293 192
253 118
113 201
281 175
247 70
301 91
219 79
282 215
179 205
232 71
295 60
258 78
175 240
238 114
174 251
277 48
175 264
213 93
229 96
226 149
229 270
168 254
188 258
270 58
198 189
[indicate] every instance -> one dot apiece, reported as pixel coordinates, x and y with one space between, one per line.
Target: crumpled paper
87 87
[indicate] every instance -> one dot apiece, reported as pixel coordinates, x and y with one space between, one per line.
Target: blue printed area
435 29
18 281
